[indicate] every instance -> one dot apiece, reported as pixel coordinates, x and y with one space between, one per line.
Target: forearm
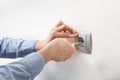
12 48
25 69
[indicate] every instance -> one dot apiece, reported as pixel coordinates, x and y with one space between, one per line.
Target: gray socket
84 42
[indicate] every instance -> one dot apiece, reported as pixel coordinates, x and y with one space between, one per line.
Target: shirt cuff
27 47
34 62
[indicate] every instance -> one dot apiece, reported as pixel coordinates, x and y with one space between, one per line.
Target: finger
75 34
75 46
59 24
64 35
75 31
65 28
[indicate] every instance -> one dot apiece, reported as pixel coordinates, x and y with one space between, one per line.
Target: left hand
60 30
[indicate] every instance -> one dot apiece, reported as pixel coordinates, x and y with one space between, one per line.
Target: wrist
40 44
46 55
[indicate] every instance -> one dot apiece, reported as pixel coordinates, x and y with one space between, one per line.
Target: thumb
75 46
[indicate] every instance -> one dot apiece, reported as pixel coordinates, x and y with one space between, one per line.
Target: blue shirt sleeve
13 48
25 69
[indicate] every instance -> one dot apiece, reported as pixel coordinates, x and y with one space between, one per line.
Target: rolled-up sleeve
25 69
13 48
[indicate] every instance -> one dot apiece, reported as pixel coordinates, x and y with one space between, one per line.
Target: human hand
60 30
58 49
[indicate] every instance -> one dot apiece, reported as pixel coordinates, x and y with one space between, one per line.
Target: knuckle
53 34
64 26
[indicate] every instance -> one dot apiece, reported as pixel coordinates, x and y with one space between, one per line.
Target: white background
33 19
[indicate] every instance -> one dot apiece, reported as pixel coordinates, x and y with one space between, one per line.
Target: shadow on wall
79 67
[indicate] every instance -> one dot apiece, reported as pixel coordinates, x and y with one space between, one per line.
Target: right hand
58 49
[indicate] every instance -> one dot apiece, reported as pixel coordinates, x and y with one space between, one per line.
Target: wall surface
33 19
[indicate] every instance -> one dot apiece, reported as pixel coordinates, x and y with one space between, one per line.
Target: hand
60 30
58 49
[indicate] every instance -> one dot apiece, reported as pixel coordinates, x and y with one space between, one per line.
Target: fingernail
76 35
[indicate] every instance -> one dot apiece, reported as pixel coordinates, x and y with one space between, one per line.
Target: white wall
33 19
